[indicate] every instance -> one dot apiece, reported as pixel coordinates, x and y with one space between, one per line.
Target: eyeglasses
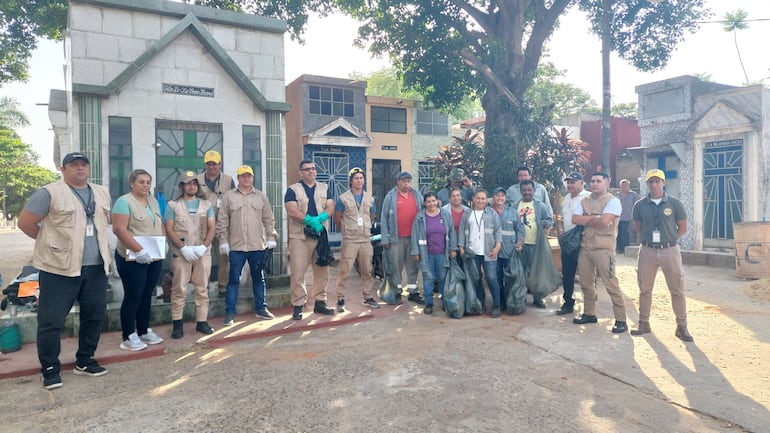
308 169
355 170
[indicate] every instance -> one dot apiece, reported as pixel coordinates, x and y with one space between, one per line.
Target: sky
329 51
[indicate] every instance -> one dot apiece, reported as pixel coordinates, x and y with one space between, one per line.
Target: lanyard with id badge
90 208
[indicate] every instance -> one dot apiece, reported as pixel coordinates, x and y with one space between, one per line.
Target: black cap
404 175
71 157
574 176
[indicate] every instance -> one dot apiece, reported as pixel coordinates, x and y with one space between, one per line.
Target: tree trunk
503 149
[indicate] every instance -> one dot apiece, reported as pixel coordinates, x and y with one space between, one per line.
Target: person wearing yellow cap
190 229
660 221
308 204
246 232
213 183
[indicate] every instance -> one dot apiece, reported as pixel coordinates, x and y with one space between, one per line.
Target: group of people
213 216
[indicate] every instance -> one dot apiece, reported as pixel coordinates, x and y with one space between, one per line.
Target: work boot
321 308
620 327
297 314
643 328
683 334
177 332
204 328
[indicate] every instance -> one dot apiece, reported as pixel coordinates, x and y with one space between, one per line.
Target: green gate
180 146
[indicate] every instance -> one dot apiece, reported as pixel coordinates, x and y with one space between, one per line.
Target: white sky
329 51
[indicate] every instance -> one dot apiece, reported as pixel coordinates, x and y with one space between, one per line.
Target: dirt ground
411 372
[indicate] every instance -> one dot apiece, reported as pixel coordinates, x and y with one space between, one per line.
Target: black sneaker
495 312
428 309
565 309
583 319
204 328
51 379
340 305
297 314
89 368
321 308
416 298
620 327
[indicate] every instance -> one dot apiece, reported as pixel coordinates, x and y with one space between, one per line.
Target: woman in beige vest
137 214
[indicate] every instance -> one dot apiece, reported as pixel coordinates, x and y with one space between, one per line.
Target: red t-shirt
406 209
457 215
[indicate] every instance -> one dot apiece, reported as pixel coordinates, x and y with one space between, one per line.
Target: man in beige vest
68 220
213 184
190 229
353 215
599 213
308 203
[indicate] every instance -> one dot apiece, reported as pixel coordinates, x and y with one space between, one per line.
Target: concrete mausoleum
154 84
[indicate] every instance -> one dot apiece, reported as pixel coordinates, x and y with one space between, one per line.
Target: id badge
89 230
655 236
360 221
219 203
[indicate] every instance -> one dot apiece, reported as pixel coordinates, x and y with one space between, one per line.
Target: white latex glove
143 257
188 253
224 248
271 245
200 250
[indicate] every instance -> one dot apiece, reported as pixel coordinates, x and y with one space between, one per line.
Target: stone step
277 296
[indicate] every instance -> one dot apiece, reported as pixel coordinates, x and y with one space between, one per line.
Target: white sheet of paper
155 245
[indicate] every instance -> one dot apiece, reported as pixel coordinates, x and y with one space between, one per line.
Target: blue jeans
237 260
490 274
139 283
433 272
57 294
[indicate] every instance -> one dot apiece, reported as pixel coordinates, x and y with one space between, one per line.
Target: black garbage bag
387 290
454 291
569 241
323 253
472 303
515 285
544 278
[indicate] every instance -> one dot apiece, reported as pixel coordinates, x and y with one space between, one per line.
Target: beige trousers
301 255
363 251
669 260
601 261
196 273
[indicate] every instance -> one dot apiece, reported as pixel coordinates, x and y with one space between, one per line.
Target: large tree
20 174
22 23
449 48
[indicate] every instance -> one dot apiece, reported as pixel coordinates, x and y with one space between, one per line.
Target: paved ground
404 371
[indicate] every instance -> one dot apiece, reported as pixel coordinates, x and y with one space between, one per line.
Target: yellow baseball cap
244 169
212 156
655 173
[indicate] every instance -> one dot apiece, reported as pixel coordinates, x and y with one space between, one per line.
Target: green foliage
11 115
644 33
22 22
467 153
385 82
20 174
294 12
565 98
628 110
735 21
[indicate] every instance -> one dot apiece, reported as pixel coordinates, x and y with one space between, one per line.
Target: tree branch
475 63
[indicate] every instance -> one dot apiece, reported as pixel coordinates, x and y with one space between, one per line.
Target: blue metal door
722 190
332 168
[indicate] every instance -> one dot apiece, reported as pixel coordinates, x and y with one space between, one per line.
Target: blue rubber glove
323 217
316 226
308 220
